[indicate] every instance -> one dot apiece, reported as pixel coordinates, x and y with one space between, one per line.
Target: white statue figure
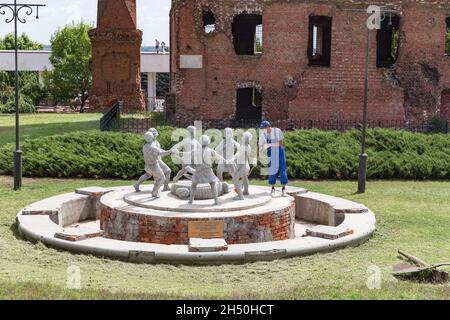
153 168
226 148
187 146
165 168
203 172
241 166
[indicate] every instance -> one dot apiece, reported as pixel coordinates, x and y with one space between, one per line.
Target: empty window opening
249 104
388 42
319 48
209 21
258 38
447 38
247 34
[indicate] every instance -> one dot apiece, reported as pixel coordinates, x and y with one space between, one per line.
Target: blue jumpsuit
277 164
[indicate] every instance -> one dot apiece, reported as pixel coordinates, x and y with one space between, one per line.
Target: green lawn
413 216
37 125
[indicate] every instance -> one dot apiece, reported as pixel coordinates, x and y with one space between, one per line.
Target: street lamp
15 9
376 15
362 169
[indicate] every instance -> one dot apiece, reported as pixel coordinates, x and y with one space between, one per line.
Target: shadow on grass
14 228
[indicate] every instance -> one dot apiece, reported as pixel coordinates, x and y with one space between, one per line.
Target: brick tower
116 57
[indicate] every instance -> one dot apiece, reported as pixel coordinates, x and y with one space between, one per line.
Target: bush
25 105
310 155
437 124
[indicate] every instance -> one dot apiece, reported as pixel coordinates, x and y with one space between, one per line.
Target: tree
71 77
162 84
29 81
23 43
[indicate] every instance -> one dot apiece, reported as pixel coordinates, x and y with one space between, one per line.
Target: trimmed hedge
311 154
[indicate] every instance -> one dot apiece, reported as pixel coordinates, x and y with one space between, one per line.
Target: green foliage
29 81
438 124
395 45
84 154
162 84
71 53
23 43
25 105
310 155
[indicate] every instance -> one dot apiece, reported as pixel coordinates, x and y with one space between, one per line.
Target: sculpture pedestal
53 221
138 217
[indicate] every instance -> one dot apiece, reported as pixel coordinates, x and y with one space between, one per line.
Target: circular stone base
170 202
71 222
139 217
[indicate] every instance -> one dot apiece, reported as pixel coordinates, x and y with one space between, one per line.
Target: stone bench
69 208
323 209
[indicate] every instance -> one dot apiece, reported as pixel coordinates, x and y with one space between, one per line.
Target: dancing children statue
165 168
152 154
226 148
187 147
241 166
203 172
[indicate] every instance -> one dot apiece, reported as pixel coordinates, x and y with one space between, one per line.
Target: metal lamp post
373 11
362 170
15 9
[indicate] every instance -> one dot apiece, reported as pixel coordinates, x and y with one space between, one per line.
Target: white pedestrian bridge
39 61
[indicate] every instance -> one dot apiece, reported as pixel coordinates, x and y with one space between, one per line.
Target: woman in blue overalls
273 140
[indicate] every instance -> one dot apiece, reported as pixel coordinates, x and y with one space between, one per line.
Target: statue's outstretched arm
218 157
165 153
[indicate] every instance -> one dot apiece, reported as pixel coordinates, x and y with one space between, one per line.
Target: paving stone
92 191
330 233
293 191
207 245
78 234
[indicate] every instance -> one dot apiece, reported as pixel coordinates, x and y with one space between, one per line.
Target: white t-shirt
275 136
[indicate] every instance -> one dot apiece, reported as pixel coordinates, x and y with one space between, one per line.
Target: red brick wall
128 226
423 69
292 89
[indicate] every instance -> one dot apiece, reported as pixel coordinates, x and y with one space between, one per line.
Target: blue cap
265 124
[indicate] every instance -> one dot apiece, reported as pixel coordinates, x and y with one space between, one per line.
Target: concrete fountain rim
40 227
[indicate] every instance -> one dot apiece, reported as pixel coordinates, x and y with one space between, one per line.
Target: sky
153 18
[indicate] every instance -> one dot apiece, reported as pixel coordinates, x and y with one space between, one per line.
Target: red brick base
266 226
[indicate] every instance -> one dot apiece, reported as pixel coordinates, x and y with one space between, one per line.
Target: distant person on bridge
163 47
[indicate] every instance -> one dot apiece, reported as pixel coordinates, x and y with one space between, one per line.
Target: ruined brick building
304 59
283 59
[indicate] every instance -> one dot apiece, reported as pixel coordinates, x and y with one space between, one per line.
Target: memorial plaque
191 61
205 229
